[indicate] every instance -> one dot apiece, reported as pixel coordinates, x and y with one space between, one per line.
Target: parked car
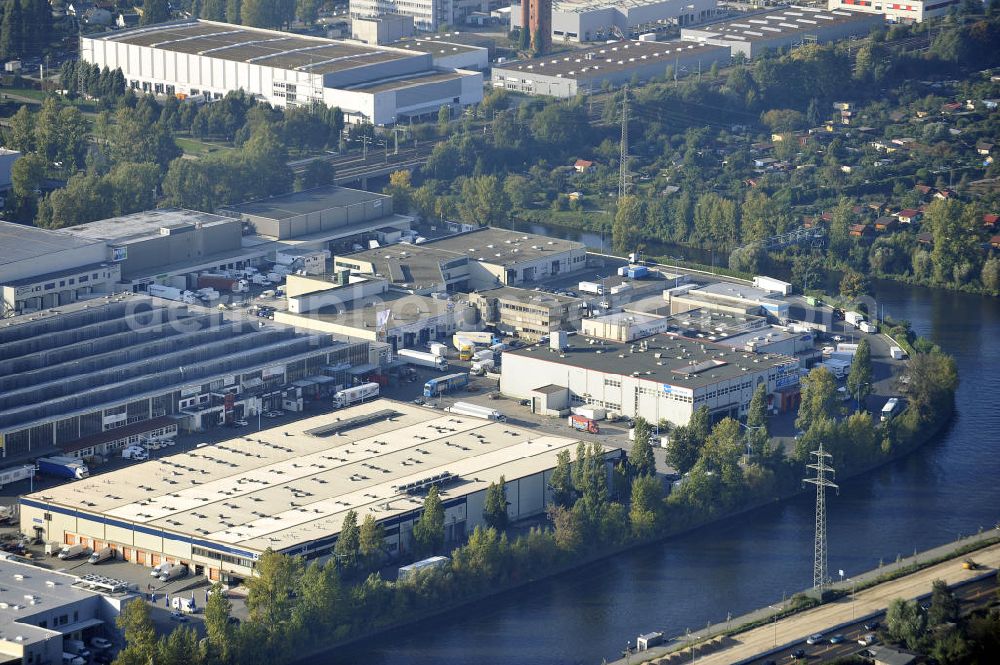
867 640
872 625
179 617
100 643
815 638
273 414
799 654
837 639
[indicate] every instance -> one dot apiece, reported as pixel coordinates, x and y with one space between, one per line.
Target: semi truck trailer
63 467
423 359
476 411
349 396
445 384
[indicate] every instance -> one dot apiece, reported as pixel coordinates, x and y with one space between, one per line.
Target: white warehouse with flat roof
217 508
374 84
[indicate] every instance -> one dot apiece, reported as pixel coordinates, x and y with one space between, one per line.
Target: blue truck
63 467
445 384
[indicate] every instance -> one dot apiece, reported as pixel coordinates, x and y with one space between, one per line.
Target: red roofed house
995 242
909 216
583 166
944 194
924 189
990 221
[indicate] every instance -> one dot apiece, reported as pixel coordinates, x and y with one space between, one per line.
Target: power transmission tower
623 176
821 482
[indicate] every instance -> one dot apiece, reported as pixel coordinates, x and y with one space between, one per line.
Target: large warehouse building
911 11
756 34
93 377
661 377
218 508
617 63
478 259
589 20
40 268
373 84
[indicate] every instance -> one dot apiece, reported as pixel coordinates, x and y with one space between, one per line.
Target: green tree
990 274
22 131
140 635
348 541
27 174
853 285
841 219
308 10
521 192
723 448
819 398
12 30
626 229
213 10
180 647
371 541
757 434
428 532
561 481
318 173
683 448
561 124
484 201
906 622
933 382
646 510
495 505
950 223
444 118
859 380
400 188
155 11
640 457
944 605
271 592
218 627
132 187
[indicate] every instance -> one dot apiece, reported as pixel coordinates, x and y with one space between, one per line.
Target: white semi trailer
476 411
423 359
349 396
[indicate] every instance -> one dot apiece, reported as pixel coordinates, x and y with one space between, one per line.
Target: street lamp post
777 611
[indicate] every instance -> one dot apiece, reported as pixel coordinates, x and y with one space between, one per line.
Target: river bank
944 488
789 489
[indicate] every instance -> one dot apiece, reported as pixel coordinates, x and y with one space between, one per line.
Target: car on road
799 654
867 640
179 617
525 402
872 625
815 638
418 401
837 639
273 414
838 338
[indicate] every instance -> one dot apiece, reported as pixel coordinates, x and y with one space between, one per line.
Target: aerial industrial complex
373 84
473 260
665 377
615 63
592 20
287 489
93 377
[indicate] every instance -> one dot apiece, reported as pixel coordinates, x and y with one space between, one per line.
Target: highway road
843 616
973 595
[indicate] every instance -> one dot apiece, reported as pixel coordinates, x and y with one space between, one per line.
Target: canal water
947 488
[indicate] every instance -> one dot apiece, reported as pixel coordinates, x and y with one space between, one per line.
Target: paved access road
794 630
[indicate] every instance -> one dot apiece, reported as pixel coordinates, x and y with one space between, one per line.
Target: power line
623 175
820 576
